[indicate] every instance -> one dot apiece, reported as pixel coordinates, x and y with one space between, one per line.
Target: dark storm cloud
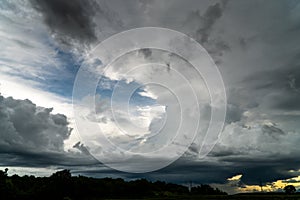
33 136
208 19
25 125
290 181
44 159
277 88
69 20
285 77
254 170
182 171
201 28
264 169
225 151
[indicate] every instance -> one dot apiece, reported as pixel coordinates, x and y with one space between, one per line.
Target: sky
144 97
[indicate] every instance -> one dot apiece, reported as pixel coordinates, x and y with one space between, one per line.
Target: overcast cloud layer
255 44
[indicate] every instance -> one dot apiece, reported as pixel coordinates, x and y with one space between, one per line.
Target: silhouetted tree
62 175
289 189
6 186
206 190
62 185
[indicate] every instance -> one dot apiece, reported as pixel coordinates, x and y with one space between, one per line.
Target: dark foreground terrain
63 186
237 197
233 197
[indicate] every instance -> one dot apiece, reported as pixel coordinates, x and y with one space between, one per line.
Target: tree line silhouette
62 185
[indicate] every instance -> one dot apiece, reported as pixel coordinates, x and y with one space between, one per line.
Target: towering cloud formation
26 127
